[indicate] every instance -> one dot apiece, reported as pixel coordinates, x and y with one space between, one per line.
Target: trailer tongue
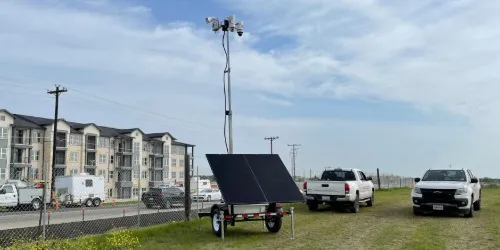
253 186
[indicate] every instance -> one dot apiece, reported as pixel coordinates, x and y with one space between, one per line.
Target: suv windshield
444 175
338 175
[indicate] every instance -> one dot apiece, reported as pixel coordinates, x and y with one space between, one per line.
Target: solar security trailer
253 187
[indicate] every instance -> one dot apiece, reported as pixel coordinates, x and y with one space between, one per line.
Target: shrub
122 239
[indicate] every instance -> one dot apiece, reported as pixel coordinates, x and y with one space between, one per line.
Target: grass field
389 224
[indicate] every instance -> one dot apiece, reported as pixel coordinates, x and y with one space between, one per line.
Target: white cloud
429 54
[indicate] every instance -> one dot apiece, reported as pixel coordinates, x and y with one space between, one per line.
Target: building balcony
124 151
90 147
61 144
21 163
124 184
21 143
153 184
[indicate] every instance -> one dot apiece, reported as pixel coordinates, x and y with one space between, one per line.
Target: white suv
447 189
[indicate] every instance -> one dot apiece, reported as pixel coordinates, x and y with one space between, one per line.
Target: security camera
231 21
210 19
239 28
215 23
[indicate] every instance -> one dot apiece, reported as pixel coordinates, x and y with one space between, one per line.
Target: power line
294 150
271 139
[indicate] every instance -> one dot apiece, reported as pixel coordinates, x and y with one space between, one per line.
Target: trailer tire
273 223
216 227
36 204
96 202
89 203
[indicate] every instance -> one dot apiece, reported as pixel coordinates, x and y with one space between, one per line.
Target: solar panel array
253 179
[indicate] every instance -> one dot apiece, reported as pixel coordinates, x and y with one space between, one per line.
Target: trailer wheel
89 203
216 224
36 204
96 202
273 223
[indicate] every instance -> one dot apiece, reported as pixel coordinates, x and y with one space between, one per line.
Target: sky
402 86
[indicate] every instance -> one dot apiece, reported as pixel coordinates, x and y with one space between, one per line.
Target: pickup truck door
364 191
475 186
8 196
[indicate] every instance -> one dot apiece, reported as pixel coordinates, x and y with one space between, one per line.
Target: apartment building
129 159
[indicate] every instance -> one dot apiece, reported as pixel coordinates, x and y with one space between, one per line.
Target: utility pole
271 139
293 152
57 93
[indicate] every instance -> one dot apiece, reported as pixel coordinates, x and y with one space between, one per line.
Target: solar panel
253 179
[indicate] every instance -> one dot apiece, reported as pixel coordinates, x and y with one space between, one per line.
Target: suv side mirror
417 179
369 178
474 180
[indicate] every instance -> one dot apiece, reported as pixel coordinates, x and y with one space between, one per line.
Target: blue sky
366 84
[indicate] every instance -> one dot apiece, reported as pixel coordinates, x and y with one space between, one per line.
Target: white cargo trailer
80 189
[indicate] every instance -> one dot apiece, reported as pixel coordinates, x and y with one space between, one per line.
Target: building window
3 133
144 190
135 192
37 136
102 159
136 160
73 157
2 173
3 153
136 174
110 192
174 162
33 173
174 175
144 174
137 146
102 172
181 163
111 159
181 174
75 140
35 155
111 174
2 117
73 171
165 162
103 142
165 174
145 162
144 147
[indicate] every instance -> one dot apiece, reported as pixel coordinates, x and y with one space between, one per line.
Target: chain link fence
82 206
388 181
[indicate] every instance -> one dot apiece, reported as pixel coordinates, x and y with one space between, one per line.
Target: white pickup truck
14 194
340 186
448 189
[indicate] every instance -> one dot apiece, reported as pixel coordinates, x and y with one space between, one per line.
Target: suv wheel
477 204
470 214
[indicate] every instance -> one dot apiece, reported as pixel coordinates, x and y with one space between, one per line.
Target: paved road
21 219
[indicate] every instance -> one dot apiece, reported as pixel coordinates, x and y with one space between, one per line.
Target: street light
228 25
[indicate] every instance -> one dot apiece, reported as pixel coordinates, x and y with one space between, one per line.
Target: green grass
389 224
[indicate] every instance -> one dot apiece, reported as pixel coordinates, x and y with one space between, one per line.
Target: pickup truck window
338 175
444 175
8 189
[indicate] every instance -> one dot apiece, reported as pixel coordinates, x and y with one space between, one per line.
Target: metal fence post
139 193
292 223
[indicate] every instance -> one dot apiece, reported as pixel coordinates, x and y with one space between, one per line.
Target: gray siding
4 144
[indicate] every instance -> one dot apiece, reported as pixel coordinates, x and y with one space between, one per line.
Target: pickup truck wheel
371 201
36 204
355 205
470 214
312 206
216 223
273 223
477 204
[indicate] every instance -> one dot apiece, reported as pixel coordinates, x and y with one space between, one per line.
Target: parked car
452 190
348 187
207 195
163 197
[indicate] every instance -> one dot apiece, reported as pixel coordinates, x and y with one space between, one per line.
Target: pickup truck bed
348 187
